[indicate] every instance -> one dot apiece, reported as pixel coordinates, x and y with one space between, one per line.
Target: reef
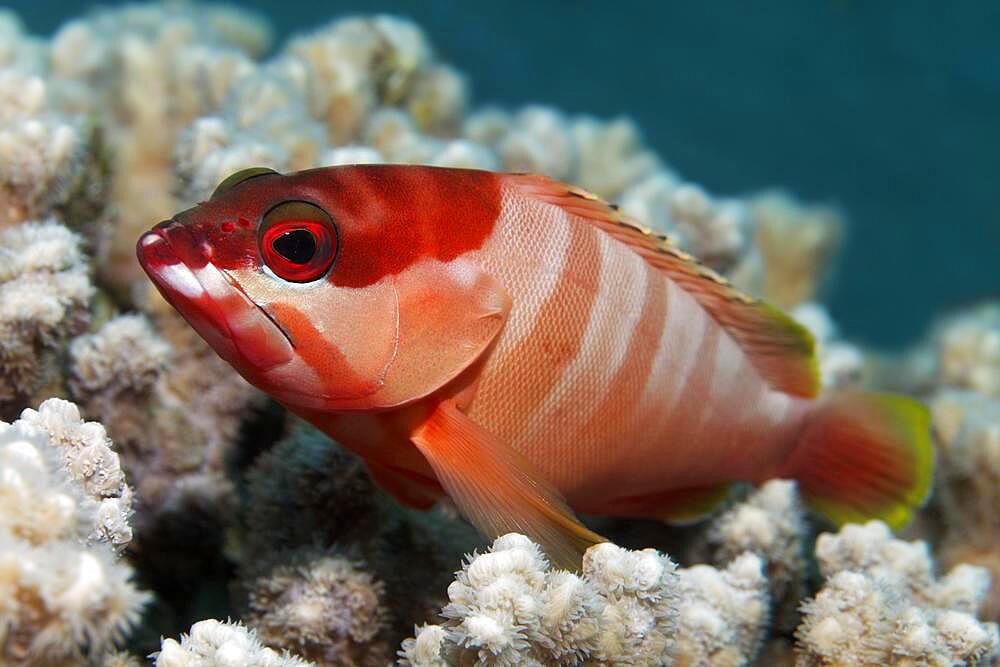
170 496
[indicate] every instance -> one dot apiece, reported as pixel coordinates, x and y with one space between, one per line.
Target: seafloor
189 521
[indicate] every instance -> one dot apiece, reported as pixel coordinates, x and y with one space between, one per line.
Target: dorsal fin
781 349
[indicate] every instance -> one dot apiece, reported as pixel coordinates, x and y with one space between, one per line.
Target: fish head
308 285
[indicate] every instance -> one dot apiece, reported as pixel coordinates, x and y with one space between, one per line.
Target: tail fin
864 456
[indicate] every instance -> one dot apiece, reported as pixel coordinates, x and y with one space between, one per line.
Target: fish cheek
344 342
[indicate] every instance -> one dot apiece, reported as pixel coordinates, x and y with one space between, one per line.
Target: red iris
298 241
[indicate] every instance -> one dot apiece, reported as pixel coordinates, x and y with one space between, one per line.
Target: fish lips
236 327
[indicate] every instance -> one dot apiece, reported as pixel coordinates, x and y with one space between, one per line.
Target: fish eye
298 241
235 179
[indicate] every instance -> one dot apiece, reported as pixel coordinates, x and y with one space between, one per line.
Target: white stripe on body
584 382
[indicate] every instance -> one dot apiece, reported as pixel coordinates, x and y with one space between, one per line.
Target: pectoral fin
499 490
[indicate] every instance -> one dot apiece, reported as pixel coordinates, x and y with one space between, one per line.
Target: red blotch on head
391 216
228 226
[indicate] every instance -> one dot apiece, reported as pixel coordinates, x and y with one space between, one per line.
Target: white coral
882 605
62 593
212 643
722 614
508 608
86 454
771 524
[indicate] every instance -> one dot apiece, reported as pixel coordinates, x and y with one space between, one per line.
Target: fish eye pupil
297 246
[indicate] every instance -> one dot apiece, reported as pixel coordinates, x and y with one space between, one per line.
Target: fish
522 347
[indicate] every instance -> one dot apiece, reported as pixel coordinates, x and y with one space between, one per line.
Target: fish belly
613 379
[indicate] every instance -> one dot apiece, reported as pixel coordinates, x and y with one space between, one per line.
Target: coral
611 156
771 524
507 608
63 594
881 604
538 140
114 370
796 242
46 157
338 510
325 609
86 454
968 348
44 295
841 364
722 615
967 429
212 643
307 476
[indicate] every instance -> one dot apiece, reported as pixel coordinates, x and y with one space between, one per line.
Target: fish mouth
239 330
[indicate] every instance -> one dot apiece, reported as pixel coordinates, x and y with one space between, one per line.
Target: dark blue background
891 110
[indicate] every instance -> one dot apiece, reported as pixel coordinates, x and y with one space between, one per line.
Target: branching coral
212 643
969 350
722 615
507 608
44 294
967 426
47 157
86 454
796 242
841 364
771 524
325 609
63 595
113 371
882 605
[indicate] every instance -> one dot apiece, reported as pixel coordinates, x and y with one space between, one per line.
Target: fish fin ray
497 489
780 349
864 456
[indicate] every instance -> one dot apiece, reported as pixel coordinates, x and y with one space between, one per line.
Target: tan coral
797 242
44 296
967 429
722 615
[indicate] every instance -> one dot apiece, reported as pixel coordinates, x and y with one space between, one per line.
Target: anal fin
499 490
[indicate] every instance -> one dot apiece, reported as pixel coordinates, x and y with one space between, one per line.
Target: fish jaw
239 330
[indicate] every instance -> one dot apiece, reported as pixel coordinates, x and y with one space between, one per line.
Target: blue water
891 110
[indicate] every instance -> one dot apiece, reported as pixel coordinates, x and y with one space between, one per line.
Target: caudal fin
865 456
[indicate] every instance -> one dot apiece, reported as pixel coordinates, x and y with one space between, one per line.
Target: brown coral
325 609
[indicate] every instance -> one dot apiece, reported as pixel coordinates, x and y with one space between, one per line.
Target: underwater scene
544 334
